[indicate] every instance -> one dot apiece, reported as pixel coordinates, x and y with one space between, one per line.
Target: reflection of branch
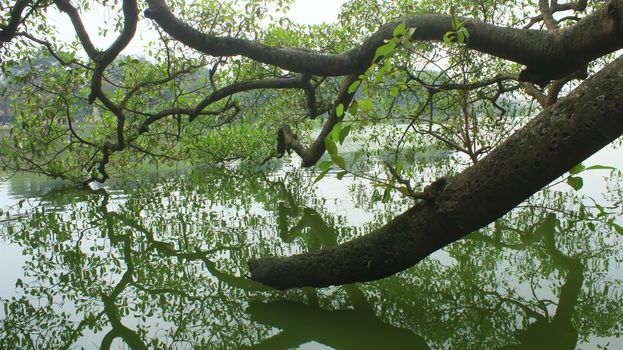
561 334
118 330
340 329
167 249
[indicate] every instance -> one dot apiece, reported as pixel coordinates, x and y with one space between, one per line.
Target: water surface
161 263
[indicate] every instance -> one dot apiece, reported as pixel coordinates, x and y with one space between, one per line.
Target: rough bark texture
556 140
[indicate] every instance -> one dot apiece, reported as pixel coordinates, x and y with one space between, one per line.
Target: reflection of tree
342 329
159 266
557 331
488 310
124 272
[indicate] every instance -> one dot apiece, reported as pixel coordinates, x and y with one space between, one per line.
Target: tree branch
287 141
550 144
10 29
547 55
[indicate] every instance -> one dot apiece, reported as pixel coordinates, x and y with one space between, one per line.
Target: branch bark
547 55
8 31
556 140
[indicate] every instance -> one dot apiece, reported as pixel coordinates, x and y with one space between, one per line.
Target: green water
161 264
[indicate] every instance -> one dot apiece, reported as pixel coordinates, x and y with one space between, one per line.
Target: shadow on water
162 265
359 328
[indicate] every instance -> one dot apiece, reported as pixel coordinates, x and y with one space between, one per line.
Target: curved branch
547 55
81 31
10 29
498 79
299 82
556 140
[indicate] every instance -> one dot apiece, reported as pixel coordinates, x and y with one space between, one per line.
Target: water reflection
162 265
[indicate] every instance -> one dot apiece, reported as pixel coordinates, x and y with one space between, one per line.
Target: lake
160 263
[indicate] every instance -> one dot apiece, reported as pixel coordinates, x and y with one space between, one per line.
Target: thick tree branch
9 30
547 55
556 140
102 59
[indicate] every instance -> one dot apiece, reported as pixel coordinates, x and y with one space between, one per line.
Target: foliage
173 104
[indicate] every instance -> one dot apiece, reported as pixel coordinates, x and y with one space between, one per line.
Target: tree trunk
556 140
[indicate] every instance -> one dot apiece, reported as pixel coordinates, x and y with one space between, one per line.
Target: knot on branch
433 190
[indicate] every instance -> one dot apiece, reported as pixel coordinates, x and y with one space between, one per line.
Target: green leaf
577 169
354 108
464 31
616 227
400 29
327 164
393 92
449 37
455 23
460 37
386 194
575 182
339 110
321 175
365 105
341 174
344 133
601 209
384 50
354 86
335 133
330 145
338 160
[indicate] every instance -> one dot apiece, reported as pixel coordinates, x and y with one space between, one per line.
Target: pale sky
315 11
302 11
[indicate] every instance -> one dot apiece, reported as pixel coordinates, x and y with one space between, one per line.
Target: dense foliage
82 110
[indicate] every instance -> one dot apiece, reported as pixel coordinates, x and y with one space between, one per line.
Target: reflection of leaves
173 254
616 227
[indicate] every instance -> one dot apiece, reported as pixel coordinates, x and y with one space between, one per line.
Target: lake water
161 264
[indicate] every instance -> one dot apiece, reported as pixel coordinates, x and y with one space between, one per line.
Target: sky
315 11
302 11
